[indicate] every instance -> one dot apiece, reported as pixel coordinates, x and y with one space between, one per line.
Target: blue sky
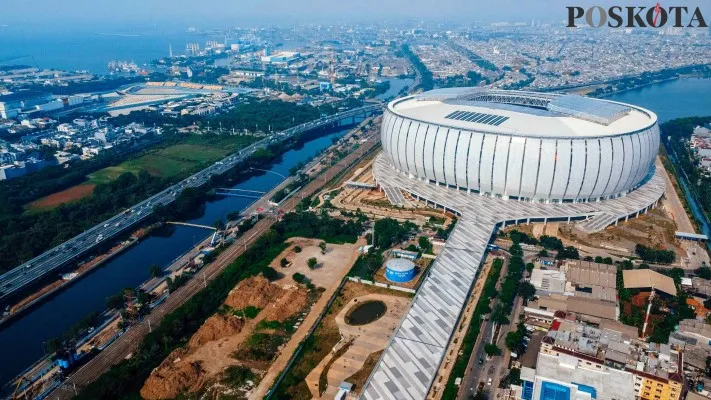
77 14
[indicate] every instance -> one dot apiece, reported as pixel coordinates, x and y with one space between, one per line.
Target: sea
92 51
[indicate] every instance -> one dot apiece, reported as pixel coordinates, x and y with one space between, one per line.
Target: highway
54 259
127 343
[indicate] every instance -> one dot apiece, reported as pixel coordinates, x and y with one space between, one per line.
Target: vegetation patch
124 380
482 308
249 312
260 347
323 378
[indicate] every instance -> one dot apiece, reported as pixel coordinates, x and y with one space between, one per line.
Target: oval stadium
529 146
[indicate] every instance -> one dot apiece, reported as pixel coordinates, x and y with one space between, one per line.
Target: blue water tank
400 270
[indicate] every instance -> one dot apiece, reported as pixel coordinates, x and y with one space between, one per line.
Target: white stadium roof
523 113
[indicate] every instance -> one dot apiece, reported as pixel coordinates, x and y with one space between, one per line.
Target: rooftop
608 382
646 278
21 95
529 114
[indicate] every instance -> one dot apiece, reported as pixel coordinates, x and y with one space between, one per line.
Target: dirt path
337 270
364 340
672 203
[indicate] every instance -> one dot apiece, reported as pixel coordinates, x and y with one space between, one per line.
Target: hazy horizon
78 15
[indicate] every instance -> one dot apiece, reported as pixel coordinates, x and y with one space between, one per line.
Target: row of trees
482 307
679 131
426 81
509 287
548 243
126 378
658 256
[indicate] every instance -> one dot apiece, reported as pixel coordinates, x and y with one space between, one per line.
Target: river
396 85
23 340
670 100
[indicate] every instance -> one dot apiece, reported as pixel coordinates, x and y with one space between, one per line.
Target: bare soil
208 352
74 193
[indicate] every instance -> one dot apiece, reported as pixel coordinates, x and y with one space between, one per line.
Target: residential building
581 362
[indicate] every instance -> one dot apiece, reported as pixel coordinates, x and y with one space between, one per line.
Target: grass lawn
194 152
177 160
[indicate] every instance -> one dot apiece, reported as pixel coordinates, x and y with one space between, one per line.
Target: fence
382 285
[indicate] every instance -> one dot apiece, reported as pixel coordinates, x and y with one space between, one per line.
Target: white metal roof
400 264
542 115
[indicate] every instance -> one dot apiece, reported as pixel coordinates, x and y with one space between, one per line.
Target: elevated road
16 280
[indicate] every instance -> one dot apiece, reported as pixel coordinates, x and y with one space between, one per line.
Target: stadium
529 146
496 158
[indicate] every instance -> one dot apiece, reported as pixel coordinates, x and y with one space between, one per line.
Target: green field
193 153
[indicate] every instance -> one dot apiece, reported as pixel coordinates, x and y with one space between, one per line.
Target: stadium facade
522 145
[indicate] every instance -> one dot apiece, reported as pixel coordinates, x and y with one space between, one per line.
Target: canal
670 100
23 341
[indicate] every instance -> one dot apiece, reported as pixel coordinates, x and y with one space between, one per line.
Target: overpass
12 283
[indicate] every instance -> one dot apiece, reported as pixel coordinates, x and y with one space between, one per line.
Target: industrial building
13 104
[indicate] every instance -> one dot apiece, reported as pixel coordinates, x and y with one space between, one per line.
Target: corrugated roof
646 278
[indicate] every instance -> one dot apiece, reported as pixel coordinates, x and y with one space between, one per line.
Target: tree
115 302
155 271
480 395
297 249
424 243
514 340
389 231
543 253
492 350
284 262
527 291
299 277
53 345
703 272
530 267
499 315
311 262
322 246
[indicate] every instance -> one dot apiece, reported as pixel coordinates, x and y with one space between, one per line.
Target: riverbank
70 277
128 342
22 340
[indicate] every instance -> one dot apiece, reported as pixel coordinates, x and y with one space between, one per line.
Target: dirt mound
169 380
290 302
215 328
256 292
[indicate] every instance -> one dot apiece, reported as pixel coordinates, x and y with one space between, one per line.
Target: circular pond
366 312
